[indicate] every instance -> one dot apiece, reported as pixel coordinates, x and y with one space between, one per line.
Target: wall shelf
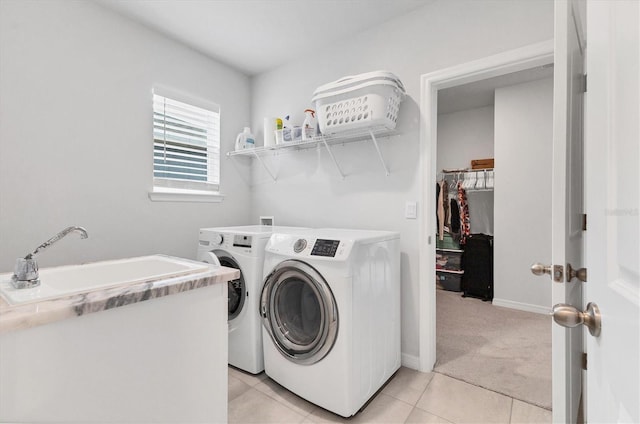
327 141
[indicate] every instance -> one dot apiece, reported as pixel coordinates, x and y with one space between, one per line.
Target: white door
567 206
612 238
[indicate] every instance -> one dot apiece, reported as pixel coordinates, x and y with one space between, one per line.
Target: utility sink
73 279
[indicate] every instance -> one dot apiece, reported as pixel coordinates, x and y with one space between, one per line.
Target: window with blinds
186 143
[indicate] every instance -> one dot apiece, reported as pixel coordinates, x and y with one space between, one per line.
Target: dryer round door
299 312
236 288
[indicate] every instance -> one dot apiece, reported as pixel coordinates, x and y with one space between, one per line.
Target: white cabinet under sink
162 360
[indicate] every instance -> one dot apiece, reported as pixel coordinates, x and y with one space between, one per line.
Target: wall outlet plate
266 220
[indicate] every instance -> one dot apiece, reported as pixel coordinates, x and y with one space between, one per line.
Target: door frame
527 57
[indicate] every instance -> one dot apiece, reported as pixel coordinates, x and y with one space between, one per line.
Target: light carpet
501 349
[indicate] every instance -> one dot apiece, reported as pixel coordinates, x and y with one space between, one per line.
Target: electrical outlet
411 210
266 220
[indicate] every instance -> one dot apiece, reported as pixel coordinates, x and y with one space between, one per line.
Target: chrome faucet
25 274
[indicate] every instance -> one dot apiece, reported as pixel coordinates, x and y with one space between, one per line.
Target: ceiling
481 93
255 36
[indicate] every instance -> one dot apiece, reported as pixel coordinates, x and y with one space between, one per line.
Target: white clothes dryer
242 248
330 308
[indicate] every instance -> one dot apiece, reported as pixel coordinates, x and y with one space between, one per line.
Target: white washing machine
241 248
330 309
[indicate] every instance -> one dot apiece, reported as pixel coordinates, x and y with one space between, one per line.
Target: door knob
580 274
555 271
570 316
539 269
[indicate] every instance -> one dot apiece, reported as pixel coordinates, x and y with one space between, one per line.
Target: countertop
22 316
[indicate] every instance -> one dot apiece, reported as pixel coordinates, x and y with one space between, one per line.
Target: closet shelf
440 249
449 271
470 178
327 141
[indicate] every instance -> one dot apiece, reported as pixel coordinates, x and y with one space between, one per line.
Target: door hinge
584 222
584 361
584 83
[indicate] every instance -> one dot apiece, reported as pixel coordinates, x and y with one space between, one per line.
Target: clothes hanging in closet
445 206
455 217
448 212
437 202
441 215
465 227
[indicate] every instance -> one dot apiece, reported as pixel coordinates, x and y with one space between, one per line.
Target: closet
497 344
508 119
464 242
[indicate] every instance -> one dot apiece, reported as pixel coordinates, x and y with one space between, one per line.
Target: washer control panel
228 241
240 240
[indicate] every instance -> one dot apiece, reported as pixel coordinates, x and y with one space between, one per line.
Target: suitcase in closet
477 263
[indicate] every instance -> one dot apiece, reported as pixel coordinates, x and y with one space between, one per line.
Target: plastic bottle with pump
310 124
245 140
287 129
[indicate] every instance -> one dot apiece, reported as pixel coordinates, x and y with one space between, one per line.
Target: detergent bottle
245 140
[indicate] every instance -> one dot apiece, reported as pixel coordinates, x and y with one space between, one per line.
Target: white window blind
186 143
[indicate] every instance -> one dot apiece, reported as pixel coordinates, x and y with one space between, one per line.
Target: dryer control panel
296 246
325 248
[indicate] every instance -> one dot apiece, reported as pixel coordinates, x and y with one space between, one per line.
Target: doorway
520 60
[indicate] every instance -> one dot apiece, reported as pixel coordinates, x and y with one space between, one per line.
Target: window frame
165 189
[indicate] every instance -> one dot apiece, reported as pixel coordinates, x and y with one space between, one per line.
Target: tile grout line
281 403
306 415
494 391
511 411
420 397
315 407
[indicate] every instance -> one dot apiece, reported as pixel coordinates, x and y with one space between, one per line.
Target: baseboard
410 361
521 306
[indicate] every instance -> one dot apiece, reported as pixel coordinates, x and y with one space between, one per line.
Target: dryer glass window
298 311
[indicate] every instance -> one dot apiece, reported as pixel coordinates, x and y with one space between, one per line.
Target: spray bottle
309 125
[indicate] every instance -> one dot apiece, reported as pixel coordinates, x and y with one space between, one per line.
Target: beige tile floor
410 397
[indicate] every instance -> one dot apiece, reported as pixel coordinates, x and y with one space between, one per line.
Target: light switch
411 210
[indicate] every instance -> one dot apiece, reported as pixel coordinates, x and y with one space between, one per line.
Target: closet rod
462 171
471 180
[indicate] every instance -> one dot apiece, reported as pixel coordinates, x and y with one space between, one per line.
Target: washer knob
218 239
299 245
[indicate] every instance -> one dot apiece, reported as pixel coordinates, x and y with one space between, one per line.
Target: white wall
309 191
463 136
523 148
76 140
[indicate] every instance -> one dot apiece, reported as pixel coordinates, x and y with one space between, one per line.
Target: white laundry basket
357 102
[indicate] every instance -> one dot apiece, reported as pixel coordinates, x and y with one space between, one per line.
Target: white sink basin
66 280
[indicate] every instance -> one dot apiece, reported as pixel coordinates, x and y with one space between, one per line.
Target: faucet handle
25 273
